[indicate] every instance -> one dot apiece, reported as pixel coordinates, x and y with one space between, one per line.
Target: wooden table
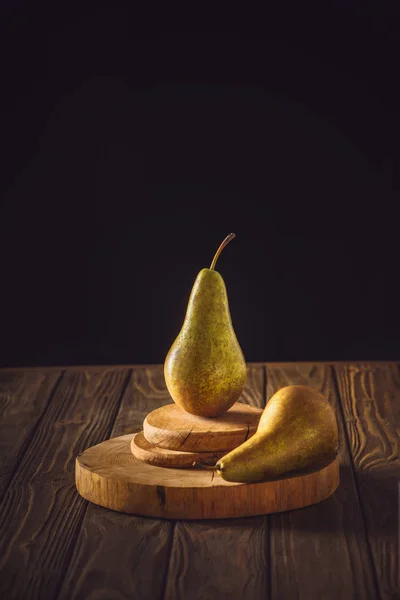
54 544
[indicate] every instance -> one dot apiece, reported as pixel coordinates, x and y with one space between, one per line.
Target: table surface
54 544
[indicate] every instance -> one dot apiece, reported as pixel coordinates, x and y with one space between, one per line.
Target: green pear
297 433
205 370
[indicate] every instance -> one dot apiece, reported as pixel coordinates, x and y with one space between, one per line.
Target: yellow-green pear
297 433
205 370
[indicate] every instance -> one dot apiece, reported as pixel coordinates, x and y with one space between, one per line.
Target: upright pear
205 370
297 433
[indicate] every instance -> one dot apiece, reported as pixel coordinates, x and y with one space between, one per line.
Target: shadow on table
341 512
376 490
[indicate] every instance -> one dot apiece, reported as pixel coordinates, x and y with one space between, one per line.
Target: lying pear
297 433
205 370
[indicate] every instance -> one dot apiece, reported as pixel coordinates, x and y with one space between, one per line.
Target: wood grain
151 366
315 552
222 559
110 575
371 407
219 560
119 555
23 399
109 475
160 457
254 393
331 534
41 512
146 392
172 428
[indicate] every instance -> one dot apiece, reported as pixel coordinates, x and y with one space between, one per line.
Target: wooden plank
41 511
221 559
48 369
146 392
23 399
371 406
320 551
118 555
254 392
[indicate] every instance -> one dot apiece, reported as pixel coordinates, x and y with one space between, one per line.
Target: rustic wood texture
160 457
56 545
41 512
254 393
222 559
219 559
371 409
109 475
23 400
118 555
323 550
172 428
146 391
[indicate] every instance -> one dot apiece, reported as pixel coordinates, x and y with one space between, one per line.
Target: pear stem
222 246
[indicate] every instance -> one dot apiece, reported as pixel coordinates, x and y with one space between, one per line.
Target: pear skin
205 370
297 433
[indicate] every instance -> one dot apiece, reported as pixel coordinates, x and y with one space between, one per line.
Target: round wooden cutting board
172 428
109 475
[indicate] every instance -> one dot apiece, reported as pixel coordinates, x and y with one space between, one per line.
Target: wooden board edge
202 503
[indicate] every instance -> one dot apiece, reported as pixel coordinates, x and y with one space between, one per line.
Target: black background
132 147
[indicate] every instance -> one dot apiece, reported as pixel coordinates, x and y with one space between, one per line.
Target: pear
297 433
205 370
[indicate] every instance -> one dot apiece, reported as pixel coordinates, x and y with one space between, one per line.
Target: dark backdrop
129 154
